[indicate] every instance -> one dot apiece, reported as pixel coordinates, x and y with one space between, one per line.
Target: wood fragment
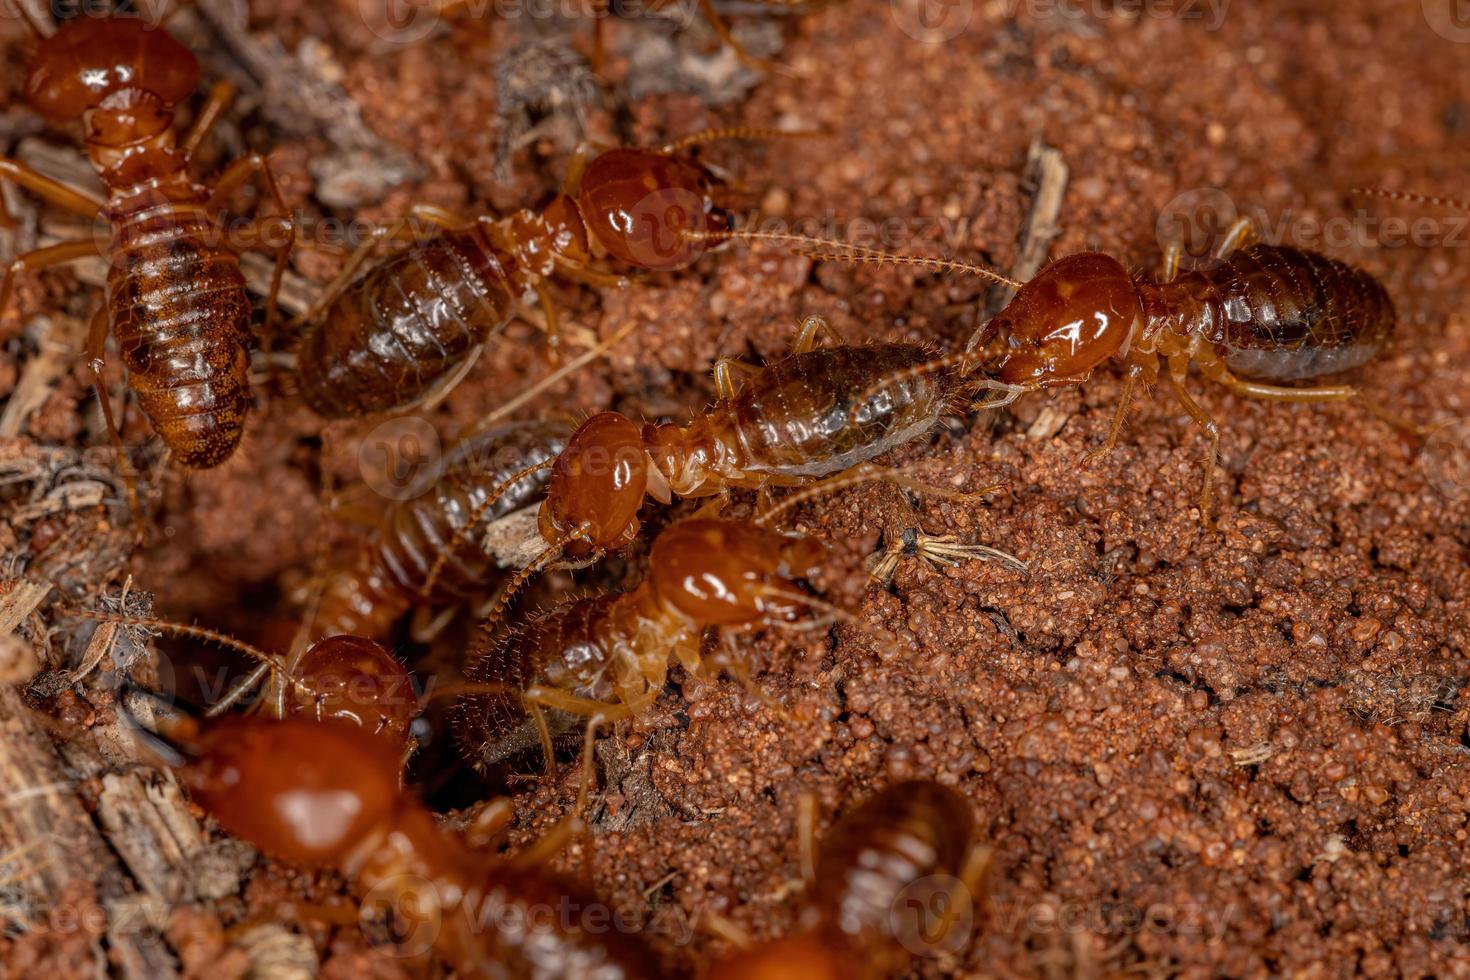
1046 171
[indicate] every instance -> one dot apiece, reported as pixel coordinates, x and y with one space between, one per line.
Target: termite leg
725 370
1136 370
54 191
1278 393
548 310
571 182
806 836
811 328
1240 234
45 258
722 31
590 277
96 353
490 824
543 732
214 106
1212 432
1169 264
233 177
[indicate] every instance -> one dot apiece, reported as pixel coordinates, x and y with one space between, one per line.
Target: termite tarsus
1256 320
819 412
176 298
898 876
327 794
605 657
409 328
392 573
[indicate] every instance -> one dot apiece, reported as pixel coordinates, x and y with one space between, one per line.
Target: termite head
638 203
302 790
1064 322
89 59
597 484
354 680
723 572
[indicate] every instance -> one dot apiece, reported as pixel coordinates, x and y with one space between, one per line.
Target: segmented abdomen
1283 314
795 419
181 317
390 575
406 325
871 859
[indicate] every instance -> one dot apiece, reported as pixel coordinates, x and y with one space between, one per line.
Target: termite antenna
714 135
839 251
866 473
462 534
269 661
533 568
1412 197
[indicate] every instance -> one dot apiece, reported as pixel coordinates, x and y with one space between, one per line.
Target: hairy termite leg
811 328
53 191
806 836
1212 433
232 697
543 733
1241 233
1137 370
234 177
219 99
96 357
865 473
725 370
44 258
1278 393
490 824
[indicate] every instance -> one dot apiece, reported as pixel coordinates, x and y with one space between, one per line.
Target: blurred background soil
1240 751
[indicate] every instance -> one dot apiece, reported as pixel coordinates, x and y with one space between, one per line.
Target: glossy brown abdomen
1283 314
181 317
406 325
795 420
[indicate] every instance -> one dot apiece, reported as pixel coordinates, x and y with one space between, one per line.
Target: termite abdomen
422 312
1290 315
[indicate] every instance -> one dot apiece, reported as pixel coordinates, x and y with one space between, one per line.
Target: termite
897 877
176 298
392 571
604 658
1258 319
327 795
410 327
821 412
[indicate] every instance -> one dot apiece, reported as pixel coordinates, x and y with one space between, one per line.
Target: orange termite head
721 572
354 680
1064 322
305 791
637 203
91 58
806 956
598 483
